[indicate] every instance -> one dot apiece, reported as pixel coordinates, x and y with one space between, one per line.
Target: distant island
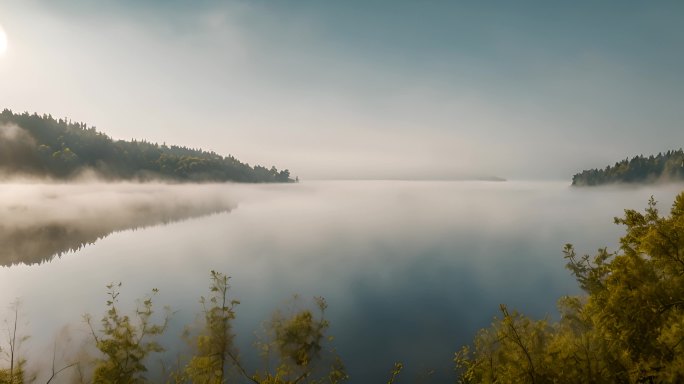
42 146
664 167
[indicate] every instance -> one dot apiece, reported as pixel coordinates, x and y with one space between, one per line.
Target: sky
361 89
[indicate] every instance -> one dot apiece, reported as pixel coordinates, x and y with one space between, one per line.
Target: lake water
410 270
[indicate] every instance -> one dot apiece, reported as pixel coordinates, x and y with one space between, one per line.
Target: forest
664 167
43 146
627 327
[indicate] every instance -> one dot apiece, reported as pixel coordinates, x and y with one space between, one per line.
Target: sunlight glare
3 41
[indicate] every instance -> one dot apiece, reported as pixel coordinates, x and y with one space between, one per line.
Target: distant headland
41 146
664 167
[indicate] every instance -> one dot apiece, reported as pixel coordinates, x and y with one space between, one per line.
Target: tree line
668 166
59 148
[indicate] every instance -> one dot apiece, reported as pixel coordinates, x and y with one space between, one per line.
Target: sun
3 41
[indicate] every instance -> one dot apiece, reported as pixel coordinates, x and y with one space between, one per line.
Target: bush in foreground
628 328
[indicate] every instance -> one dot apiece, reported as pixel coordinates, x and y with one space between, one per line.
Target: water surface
410 269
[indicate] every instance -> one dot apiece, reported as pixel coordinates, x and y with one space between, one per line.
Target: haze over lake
44 221
411 270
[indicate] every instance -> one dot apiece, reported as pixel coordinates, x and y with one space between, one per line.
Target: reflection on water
40 222
410 269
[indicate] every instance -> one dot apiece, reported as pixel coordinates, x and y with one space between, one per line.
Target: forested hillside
667 166
44 146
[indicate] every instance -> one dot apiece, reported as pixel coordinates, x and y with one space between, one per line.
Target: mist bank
42 146
41 221
418 178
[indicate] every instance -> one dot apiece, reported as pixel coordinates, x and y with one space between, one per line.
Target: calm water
410 269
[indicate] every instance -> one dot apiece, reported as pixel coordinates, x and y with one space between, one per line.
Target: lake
410 269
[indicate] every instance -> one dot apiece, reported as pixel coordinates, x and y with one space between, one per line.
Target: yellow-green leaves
125 342
628 328
299 347
215 351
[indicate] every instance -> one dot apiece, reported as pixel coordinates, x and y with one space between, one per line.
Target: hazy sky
361 88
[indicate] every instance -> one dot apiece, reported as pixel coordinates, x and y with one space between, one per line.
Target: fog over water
40 221
410 270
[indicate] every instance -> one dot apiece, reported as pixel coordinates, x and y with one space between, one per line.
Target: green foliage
43 146
214 345
628 328
395 372
6 377
513 350
125 342
667 166
15 371
297 343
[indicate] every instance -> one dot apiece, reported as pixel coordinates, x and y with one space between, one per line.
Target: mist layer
40 221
